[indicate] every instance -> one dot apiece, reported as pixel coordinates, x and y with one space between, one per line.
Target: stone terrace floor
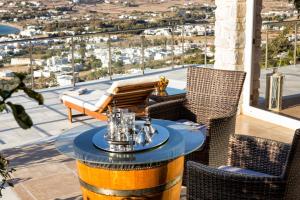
43 173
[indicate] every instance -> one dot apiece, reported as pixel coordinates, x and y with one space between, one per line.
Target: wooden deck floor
252 126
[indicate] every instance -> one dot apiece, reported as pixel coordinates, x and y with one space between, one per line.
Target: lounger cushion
87 100
94 99
102 99
90 107
133 81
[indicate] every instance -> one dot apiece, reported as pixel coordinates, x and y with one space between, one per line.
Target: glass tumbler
129 125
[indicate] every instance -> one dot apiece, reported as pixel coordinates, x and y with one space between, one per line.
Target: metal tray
159 138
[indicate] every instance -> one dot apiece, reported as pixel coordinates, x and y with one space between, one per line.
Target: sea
4 30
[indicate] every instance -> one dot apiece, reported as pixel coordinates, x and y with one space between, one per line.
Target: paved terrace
43 173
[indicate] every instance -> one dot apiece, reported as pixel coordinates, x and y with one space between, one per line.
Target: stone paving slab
42 173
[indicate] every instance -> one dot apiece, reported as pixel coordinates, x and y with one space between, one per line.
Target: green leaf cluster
21 117
19 113
280 44
5 173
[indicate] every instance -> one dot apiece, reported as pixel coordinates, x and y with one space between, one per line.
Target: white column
252 52
230 34
238 39
249 52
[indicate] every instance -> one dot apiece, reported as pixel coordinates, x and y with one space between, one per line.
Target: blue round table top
77 143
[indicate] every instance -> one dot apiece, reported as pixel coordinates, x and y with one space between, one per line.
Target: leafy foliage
278 47
21 117
5 173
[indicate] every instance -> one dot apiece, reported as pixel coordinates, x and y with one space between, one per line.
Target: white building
6 74
41 73
20 61
64 80
158 31
39 62
56 60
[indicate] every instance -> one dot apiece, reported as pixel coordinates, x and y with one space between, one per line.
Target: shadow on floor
34 154
291 101
290 106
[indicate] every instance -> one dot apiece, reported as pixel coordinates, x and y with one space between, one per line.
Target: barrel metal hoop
131 193
126 167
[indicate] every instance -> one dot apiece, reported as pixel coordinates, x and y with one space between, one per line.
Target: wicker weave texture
205 182
212 99
293 170
258 154
218 90
275 158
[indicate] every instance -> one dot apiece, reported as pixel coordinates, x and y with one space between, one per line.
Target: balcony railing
277 54
90 56
280 49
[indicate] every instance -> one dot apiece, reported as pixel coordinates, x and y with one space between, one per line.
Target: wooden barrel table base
160 182
153 174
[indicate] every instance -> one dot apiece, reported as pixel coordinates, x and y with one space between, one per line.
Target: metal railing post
182 45
109 57
205 45
295 44
143 53
173 46
31 64
267 47
73 61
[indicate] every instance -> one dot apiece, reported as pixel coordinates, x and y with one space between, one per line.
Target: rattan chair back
211 92
292 172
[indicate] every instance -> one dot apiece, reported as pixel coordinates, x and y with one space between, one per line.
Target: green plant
96 74
20 115
280 44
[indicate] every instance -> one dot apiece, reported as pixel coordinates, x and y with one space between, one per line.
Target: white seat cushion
87 100
90 107
71 99
243 171
102 99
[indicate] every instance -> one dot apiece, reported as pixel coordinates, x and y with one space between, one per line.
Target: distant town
74 37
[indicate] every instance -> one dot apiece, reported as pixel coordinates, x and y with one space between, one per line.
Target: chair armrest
222 117
219 130
259 154
205 182
169 110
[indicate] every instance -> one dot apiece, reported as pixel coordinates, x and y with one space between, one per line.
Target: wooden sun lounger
135 97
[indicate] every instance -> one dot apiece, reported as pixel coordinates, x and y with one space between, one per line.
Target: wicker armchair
212 99
279 160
